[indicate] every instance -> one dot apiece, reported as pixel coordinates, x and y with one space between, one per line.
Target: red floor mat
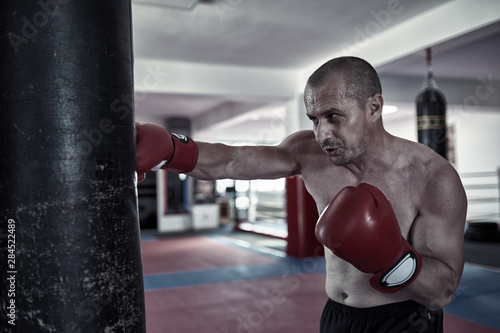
194 253
277 305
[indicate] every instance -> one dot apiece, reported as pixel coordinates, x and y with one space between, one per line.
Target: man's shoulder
420 154
432 170
301 142
427 165
307 135
304 148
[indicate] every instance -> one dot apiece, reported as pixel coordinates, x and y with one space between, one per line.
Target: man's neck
379 156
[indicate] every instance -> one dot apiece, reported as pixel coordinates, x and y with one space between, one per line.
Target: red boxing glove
360 227
158 148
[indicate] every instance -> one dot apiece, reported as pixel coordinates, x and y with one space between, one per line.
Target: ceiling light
387 109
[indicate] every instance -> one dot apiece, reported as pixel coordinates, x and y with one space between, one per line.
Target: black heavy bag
431 114
70 253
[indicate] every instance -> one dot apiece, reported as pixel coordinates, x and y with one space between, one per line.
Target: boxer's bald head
360 78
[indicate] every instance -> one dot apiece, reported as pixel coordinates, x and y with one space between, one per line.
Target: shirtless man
347 156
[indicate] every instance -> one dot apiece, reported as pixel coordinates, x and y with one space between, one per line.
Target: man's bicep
438 231
440 238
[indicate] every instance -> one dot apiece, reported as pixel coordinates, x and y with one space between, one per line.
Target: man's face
341 127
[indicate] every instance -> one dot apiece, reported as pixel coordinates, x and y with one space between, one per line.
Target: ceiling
290 38
464 57
258 33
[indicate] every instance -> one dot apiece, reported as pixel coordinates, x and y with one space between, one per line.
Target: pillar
70 248
302 215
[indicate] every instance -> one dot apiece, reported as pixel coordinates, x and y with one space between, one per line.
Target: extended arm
219 161
214 160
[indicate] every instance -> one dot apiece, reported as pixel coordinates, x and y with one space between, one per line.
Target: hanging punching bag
431 113
70 253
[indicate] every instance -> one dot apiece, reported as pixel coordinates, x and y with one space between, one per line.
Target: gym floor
224 281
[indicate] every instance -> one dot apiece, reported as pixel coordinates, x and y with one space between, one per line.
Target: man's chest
399 189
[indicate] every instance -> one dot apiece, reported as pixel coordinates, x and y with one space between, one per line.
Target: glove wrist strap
185 155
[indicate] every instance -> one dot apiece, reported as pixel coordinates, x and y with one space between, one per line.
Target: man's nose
323 132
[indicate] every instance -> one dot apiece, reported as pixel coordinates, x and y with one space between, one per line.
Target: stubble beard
345 155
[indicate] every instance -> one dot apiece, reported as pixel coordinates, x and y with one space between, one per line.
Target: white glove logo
181 137
404 270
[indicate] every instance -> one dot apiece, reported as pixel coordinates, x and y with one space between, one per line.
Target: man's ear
376 104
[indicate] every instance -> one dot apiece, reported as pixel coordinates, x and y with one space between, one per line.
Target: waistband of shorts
386 310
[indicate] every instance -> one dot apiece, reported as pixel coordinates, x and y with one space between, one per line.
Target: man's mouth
331 147
331 151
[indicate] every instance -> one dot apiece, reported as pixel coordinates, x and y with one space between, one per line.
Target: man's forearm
212 161
219 161
435 286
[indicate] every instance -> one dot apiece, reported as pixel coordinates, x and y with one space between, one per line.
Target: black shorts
403 317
